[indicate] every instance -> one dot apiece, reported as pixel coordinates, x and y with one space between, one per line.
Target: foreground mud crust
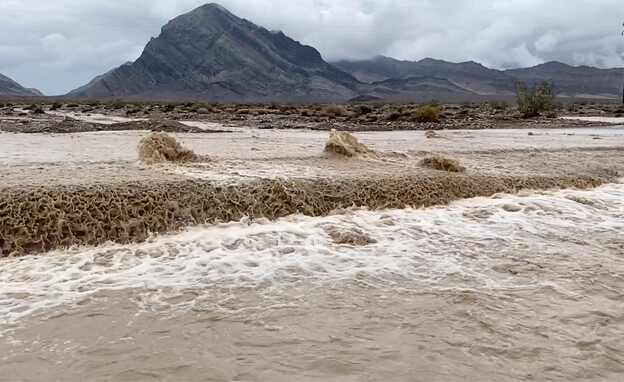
513 287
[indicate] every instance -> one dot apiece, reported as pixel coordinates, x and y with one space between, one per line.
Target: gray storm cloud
57 46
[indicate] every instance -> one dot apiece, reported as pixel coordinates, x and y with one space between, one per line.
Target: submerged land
212 241
72 174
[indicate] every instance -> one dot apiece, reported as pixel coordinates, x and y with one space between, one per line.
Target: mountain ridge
209 52
9 87
476 78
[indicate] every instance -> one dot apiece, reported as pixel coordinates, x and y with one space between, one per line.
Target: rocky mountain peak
211 53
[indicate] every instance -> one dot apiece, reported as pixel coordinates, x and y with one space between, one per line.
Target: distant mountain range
471 77
8 87
210 53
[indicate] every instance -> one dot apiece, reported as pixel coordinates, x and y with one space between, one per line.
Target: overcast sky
58 45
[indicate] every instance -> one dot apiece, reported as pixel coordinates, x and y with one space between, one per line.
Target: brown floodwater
513 287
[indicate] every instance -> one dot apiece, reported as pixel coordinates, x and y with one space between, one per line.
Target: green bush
540 98
427 113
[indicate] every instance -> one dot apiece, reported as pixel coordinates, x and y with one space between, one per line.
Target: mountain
475 78
469 76
573 81
95 80
12 88
210 53
411 85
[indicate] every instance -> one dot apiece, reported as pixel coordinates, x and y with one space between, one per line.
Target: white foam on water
95 117
493 245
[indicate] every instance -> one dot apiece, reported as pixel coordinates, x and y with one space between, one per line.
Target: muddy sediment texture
442 163
345 144
43 219
162 148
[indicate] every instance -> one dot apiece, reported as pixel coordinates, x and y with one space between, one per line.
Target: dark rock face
95 80
210 53
11 88
477 79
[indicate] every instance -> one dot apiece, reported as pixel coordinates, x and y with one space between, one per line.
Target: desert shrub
393 116
261 111
499 105
534 101
118 104
572 108
306 113
426 113
242 111
203 110
363 110
334 111
56 105
92 102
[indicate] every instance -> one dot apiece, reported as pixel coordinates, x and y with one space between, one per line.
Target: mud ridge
162 148
39 220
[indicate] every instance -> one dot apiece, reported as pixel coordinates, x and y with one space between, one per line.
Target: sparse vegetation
393 116
334 111
499 105
118 104
427 113
534 101
363 110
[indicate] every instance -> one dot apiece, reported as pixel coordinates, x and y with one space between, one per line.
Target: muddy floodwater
247 143
524 287
519 287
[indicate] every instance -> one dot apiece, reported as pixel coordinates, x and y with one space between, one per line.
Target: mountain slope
470 76
570 80
12 88
213 54
95 80
475 78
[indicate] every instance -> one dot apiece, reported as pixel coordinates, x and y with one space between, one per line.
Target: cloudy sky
59 45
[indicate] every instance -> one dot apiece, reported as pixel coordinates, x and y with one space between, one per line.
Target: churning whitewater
481 286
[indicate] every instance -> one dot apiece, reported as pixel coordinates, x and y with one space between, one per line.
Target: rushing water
506 288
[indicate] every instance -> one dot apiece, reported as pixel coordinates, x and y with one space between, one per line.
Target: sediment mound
162 148
439 162
345 144
432 134
42 219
